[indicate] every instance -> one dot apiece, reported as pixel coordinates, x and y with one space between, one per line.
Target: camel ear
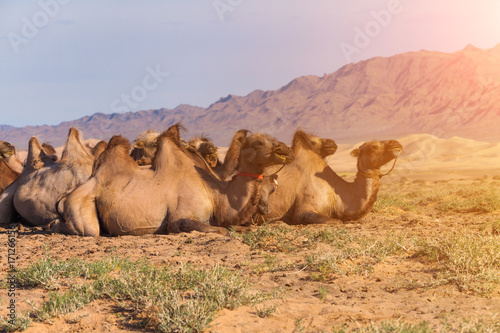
139 144
355 152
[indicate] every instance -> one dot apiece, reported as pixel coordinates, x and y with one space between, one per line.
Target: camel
226 170
321 146
10 166
34 193
7 175
174 195
145 147
8 154
206 149
311 192
269 186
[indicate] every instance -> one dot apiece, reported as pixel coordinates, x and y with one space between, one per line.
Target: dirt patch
303 301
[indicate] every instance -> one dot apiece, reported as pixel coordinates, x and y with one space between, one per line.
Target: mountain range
443 94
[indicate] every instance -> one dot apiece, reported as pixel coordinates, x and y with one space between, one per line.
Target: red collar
253 175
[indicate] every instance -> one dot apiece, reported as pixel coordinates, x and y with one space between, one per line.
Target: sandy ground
352 299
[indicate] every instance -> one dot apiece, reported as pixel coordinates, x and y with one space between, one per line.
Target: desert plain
426 259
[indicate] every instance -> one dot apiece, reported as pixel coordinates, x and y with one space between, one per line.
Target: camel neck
364 190
238 202
14 163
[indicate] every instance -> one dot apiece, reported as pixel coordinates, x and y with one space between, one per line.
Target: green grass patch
399 326
284 238
357 256
387 327
346 254
468 259
165 299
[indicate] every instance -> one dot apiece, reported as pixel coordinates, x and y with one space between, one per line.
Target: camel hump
173 133
118 140
301 138
74 149
99 148
35 153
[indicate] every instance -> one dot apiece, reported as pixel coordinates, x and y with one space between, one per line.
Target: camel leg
314 218
241 229
187 225
7 210
80 213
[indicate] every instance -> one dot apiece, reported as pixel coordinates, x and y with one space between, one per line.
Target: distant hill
443 94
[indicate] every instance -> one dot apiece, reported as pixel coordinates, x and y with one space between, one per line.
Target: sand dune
428 153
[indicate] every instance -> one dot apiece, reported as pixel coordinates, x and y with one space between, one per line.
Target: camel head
145 147
327 147
321 146
6 149
206 149
259 151
269 185
374 154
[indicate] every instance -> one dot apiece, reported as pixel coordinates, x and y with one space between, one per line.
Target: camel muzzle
283 152
395 147
263 208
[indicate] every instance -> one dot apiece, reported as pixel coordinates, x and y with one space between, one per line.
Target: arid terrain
426 259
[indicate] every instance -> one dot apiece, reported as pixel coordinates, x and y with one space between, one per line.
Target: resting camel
269 186
34 193
8 154
311 192
145 147
206 149
321 146
7 175
174 195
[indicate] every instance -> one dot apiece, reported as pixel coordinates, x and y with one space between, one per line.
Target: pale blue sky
62 60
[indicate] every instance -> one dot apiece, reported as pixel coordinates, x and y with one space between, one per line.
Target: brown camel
145 147
34 193
311 192
8 154
321 146
7 175
174 195
206 149
269 186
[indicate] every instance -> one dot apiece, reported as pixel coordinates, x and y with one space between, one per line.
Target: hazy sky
63 59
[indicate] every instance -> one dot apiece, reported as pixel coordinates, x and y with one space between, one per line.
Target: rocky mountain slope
444 94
